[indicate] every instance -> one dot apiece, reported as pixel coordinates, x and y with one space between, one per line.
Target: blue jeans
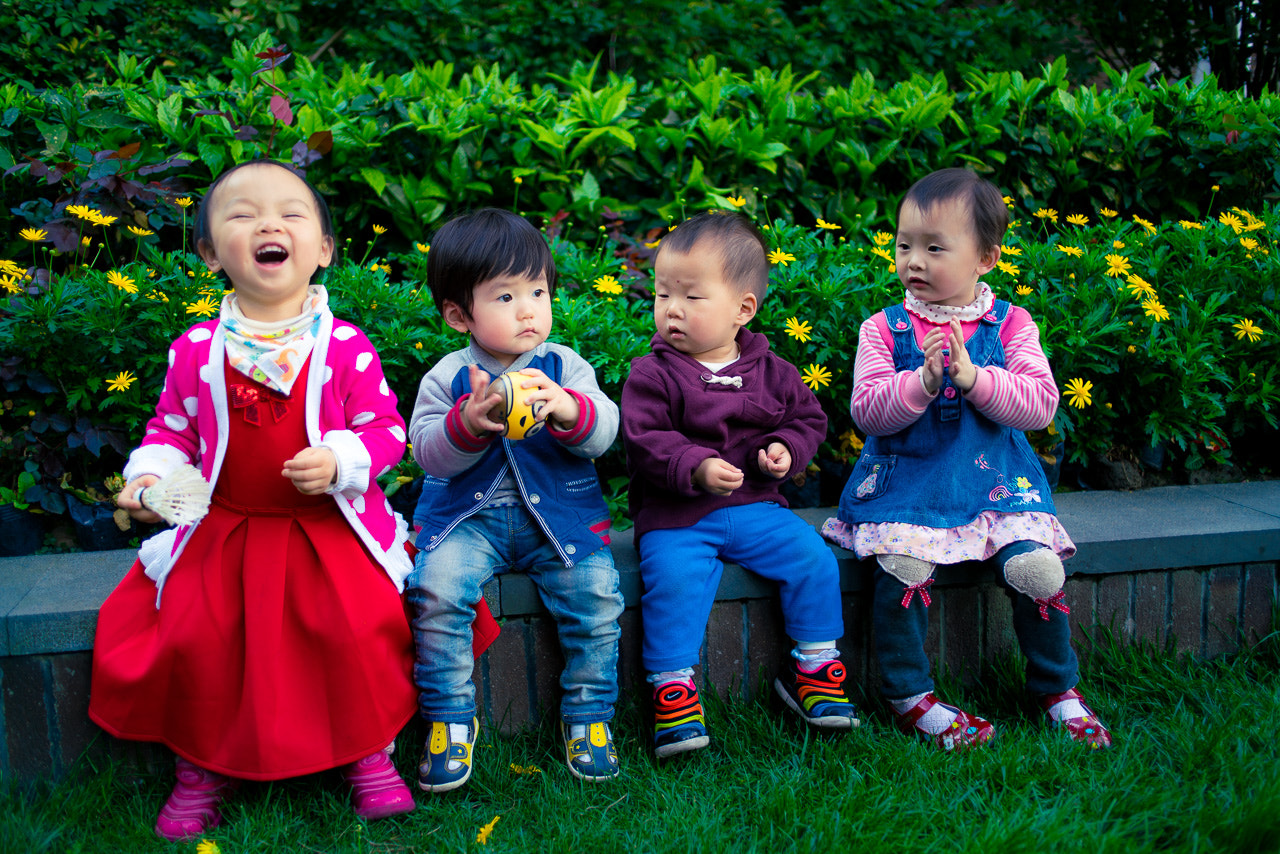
900 634
447 581
681 570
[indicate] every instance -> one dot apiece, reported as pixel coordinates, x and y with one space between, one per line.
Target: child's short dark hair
982 198
736 238
204 233
477 246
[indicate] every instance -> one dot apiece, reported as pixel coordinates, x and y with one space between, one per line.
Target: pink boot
192 806
376 789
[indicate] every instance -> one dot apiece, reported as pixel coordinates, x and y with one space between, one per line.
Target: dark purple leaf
246 132
304 156
321 141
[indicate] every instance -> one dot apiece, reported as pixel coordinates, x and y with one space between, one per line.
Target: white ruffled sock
1067 710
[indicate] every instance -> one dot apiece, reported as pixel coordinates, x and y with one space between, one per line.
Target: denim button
479 495
534 499
570 549
949 393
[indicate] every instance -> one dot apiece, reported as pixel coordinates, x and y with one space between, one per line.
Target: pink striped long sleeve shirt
1022 395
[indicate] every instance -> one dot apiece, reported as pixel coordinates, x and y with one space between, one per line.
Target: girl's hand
126 500
312 471
557 403
717 476
933 361
480 414
963 372
775 460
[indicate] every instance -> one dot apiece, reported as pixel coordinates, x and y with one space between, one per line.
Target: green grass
1195 768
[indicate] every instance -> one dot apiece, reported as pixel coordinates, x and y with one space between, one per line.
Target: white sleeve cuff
353 462
158 459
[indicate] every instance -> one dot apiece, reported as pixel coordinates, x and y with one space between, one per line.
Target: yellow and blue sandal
589 751
446 763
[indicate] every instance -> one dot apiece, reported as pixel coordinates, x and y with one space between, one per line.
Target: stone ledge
49 604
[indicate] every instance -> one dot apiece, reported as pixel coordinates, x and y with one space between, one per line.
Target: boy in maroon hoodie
714 423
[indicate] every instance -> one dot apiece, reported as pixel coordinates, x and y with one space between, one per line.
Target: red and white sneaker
965 731
192 806
1086 730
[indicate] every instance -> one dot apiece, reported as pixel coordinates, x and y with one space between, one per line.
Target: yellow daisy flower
205 307
1249 243
882 238
1151 229
184 202
777 256
483 836
1188 225
1022 290
82 211
1117 266
379 229
1010 250
1228 218
35 235
121 381
140 232
102 219
1008 268
609 285
831 226
1152 308
883 253
802 332
815 376
10 285
1069 250
1079 392
1078 219
737 201
424 248
1247 329
122 282
1046 213
1140 287
1109 213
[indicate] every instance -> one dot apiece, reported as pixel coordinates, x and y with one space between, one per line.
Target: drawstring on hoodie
712 379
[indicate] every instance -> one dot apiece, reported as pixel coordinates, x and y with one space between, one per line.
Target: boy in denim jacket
491 504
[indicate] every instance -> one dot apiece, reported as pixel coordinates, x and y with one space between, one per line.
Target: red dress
280 646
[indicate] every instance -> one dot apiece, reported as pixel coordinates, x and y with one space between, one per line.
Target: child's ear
988 260
326 252
747 307
455 316
205 250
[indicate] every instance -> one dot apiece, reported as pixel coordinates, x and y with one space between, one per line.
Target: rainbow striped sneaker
678 722
589 751
818 696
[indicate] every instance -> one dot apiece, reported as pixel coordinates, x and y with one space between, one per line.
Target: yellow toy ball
520 417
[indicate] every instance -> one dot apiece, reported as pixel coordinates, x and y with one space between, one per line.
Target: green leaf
375 179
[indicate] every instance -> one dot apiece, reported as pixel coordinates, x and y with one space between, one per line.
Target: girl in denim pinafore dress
944 385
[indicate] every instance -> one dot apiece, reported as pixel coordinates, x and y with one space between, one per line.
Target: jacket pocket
871 476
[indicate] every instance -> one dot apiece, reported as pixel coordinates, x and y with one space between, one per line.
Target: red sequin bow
1055 601
923 589
248 397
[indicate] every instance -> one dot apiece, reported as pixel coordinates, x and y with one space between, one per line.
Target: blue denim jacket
953 463
559 489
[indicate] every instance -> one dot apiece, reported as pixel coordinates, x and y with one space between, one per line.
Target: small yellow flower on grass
183 202
525 770
35 235
205 307
1079 393
1007 268
122 282
1117 266
10 285
1249 243
1228 218
815 376
1010 250
121 381
101 219
1247 329
609 285
1131 349
830 226
1069 250
11 268
1215 188
208 846
417 345
1109 213
1188 225
883 253
1046 213
379 229
800 331
1117 244
882 238
851 443
1008 201
1152 308
140 232
1022 290
777 256
1151 229
483 836
1078 219
518 180
737 201
424 248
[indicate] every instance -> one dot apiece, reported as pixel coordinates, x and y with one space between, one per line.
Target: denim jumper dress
954 462
947 468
